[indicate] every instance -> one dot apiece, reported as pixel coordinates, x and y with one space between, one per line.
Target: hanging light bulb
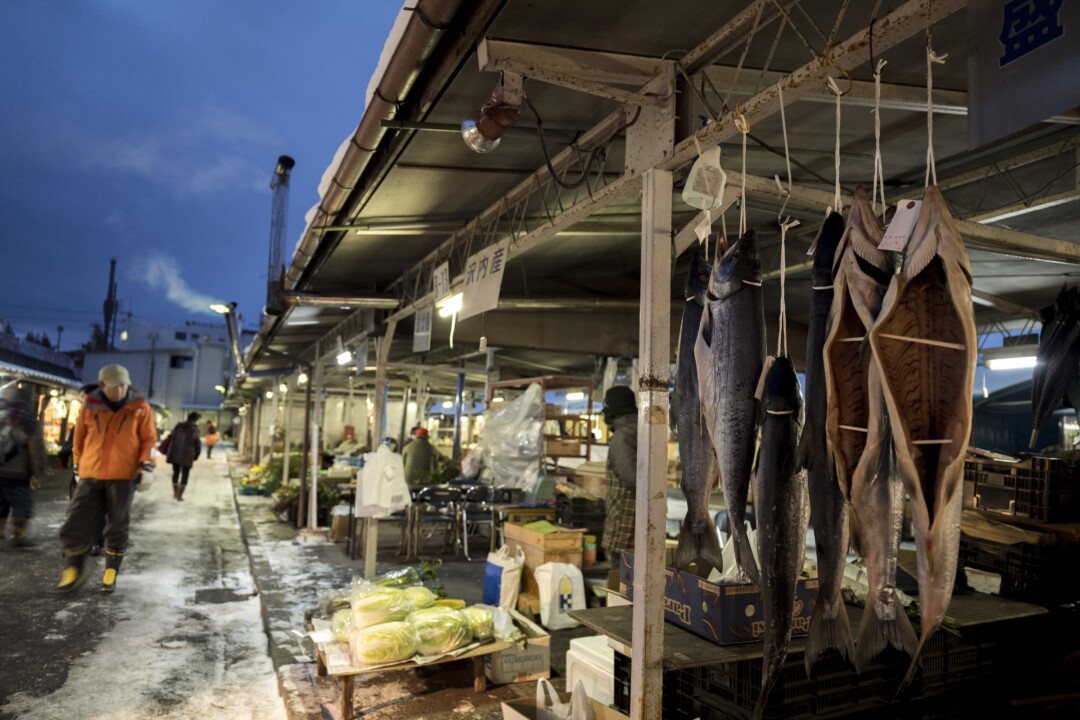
344 357
302 378
269 394
283 388
484 132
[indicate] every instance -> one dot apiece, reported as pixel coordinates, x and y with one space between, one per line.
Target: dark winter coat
184 445
621 493
419 459
28 457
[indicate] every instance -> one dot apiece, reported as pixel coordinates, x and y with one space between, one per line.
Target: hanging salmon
730 352
697 538
925 351
829 626
780 501
857 434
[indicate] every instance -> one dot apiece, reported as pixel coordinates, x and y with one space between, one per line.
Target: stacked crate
1040 494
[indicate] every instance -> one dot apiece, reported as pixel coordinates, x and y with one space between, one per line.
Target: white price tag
704 227
899 230
440 281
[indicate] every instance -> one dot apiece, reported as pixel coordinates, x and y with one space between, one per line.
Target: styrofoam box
590 660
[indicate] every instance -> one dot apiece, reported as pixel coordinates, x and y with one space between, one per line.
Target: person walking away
184 449
620 415
211 438
114 435
22 465
419 458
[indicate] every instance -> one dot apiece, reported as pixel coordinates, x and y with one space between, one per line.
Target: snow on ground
188 639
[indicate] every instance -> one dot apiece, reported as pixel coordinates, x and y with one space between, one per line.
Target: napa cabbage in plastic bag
380 606
440 630
420 596
386 643
342 624
505 629
481 621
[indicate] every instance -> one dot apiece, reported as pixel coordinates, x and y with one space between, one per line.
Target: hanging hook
740 120
870 32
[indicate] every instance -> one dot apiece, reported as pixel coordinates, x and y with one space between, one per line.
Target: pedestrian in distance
22 465
182 450
620 415
419 458
114 436
211 438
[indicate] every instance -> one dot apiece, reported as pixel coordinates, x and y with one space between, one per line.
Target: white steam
161 273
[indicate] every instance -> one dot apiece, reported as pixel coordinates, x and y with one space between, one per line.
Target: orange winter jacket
111 445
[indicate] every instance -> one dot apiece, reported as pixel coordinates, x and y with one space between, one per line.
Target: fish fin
693 545
910 675
772 663
876 634
825 633
803 454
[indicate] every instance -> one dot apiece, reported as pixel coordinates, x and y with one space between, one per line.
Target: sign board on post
483 279
421 339
1022 62
440 281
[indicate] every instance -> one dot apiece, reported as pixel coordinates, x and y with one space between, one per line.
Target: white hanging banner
421 338
440 281
483 279
1021 64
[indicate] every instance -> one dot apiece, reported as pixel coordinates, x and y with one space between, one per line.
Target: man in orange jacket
113 438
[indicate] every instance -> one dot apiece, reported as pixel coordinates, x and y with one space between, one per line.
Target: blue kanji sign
1027 25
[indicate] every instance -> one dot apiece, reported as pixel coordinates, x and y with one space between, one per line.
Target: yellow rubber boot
73 576
113 558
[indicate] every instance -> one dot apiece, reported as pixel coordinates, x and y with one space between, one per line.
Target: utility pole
153 362
110 308
59 333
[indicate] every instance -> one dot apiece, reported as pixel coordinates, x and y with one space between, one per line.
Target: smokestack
275 274
110 307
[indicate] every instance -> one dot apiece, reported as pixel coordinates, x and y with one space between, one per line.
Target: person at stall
22 465
419 458
114 436
620 415
211 438
182 452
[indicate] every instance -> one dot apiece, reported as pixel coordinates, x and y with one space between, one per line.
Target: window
181 336
180 361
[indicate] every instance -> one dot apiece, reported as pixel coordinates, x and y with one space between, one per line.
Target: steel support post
371 541
648 143
458 403
316 457
285 440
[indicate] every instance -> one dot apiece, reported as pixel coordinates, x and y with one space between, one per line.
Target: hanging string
835 89
782 338
932 57
879 173
743 127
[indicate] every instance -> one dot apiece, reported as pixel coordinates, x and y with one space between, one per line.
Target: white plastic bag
381 489
502 577
562 589
550 707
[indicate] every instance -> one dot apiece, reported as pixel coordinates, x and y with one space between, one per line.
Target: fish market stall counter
333 659
698 672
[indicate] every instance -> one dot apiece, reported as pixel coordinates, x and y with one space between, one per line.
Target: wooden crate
563 546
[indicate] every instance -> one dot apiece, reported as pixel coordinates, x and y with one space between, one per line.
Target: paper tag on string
483 343
704 227
903 223
764 373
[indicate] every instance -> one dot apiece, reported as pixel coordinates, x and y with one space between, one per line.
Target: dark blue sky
149 131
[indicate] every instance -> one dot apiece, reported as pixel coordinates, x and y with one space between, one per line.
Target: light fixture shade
476 141
1016 357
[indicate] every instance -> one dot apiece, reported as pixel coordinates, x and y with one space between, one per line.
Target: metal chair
434 506
474 511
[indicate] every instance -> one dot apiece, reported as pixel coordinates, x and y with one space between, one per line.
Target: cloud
208 153
161 272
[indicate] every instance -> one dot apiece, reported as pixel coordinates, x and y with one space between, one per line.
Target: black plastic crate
578 504
1037 488
507 496
1042 574
950 664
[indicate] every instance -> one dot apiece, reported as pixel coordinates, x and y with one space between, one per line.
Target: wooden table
683 649
328 652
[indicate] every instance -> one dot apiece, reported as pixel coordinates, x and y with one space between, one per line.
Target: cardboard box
563 546
724 614
522 664
562 448
527 710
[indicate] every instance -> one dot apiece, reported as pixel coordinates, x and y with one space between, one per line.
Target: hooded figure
22 457
419 458
184 448
620 415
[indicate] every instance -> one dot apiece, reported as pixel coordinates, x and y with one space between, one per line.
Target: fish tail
744 558
770 671
1034 438
926 635
828 633
876 634
698 544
